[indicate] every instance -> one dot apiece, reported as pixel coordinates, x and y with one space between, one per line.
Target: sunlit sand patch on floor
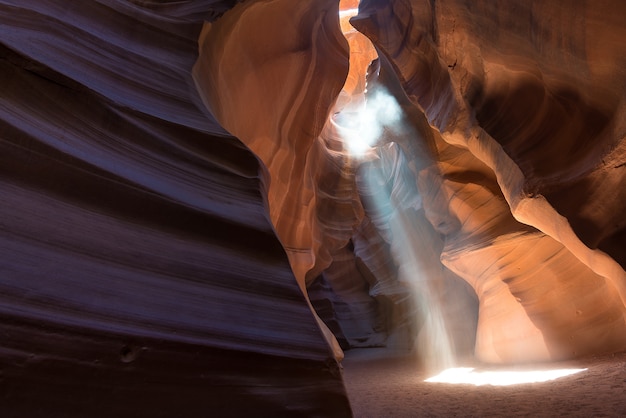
468 375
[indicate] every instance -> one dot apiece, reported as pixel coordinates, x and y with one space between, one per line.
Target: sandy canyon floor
381 383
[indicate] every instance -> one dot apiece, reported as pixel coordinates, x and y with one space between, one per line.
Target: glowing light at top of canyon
468 375
348 13
363 116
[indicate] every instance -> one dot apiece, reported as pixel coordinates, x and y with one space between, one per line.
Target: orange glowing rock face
348 4
274 89
362 53
485 119
495 193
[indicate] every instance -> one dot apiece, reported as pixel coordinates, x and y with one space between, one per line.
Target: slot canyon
268 208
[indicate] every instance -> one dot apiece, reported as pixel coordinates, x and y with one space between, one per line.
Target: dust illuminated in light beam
363 128
467 375
370 119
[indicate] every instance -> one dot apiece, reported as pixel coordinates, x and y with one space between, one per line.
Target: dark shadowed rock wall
139 272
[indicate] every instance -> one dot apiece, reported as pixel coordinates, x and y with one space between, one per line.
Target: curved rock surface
525 115
274 91
141 275
178 195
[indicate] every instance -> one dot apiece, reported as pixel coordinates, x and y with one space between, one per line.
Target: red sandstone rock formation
176 195
523 119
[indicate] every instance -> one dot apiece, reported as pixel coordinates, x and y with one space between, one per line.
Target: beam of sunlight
363 128
467 375
412 249
388 186
366 120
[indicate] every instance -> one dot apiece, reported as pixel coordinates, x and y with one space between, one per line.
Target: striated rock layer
140 273
525 101
270 72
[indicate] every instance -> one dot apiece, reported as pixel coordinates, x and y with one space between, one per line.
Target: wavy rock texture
489 173
274 91
313 200
526 119
270 72
141 275
155 264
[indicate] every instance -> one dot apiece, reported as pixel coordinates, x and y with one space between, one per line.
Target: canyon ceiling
183 226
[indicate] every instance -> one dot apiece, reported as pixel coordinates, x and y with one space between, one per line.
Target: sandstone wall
140 273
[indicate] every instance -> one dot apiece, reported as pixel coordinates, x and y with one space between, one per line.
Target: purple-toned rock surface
139 272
